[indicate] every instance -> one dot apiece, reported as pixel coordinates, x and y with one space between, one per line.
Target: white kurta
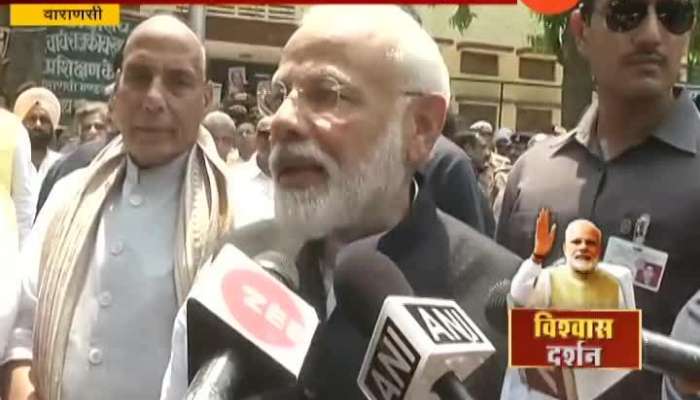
119 342
522 290
46 164
252 193
24 192
9 282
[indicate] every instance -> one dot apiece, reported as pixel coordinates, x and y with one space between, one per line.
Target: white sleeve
9 293
24 190
523 283
19 344
174 385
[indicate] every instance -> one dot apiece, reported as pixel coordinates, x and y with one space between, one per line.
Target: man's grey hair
219 118
415 53
88 108
569 229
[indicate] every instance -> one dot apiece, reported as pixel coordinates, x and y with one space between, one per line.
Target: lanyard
641 227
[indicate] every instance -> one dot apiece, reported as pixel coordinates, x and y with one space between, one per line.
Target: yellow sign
64 14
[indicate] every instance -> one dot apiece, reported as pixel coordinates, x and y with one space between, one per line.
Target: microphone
217 378
419 347
668 356
496 308
247 332
280 266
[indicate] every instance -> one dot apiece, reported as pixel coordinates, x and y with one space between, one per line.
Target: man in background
502 142
101 290
253 199
223 130
92 122
639 130
519 144
95 119
17 195
485 131
245 141
40 112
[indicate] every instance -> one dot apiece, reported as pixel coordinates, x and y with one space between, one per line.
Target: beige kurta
119 342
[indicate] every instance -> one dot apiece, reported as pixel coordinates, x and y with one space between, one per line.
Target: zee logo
263 307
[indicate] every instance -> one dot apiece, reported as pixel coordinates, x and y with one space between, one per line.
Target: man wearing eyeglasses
631 166
355 107
358 100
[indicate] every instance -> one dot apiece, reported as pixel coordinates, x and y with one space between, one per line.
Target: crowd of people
104 228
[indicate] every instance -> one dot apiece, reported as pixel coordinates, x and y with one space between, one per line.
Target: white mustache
306 150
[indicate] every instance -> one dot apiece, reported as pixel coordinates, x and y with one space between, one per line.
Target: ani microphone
420 348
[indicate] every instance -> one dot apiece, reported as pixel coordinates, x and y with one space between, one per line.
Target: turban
44 98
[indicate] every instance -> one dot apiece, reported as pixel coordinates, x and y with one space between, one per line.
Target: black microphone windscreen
364 277
671 357
280 266
496 308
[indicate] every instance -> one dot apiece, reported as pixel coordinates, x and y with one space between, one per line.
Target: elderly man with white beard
356 105
582 282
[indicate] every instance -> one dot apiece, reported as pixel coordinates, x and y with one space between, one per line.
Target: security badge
646 264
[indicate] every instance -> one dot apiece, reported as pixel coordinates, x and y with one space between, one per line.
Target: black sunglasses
677 16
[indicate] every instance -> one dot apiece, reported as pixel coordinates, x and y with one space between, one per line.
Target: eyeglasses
324 95
624 15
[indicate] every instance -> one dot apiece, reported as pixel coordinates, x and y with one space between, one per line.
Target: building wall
500 31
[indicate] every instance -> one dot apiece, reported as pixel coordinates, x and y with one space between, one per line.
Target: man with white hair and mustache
579 283
118 244
356 105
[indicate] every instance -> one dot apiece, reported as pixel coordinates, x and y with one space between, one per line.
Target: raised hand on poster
544 236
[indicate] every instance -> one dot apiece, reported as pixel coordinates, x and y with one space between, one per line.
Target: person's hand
544 236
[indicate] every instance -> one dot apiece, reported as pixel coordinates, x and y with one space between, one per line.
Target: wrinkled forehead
166 50
362 57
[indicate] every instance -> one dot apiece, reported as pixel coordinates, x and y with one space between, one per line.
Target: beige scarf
203 217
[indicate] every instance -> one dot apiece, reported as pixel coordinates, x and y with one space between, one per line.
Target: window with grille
471 113
479 63
533 120
541 70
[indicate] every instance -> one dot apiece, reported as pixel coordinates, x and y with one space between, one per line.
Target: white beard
583 266
350 197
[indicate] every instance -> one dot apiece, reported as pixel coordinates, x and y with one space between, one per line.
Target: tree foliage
462 18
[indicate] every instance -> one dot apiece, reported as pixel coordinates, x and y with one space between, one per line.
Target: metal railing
500 85
270 13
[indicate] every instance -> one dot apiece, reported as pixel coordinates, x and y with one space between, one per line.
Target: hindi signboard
78 61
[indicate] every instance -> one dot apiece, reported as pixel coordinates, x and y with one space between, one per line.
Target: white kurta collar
156 182
171 171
